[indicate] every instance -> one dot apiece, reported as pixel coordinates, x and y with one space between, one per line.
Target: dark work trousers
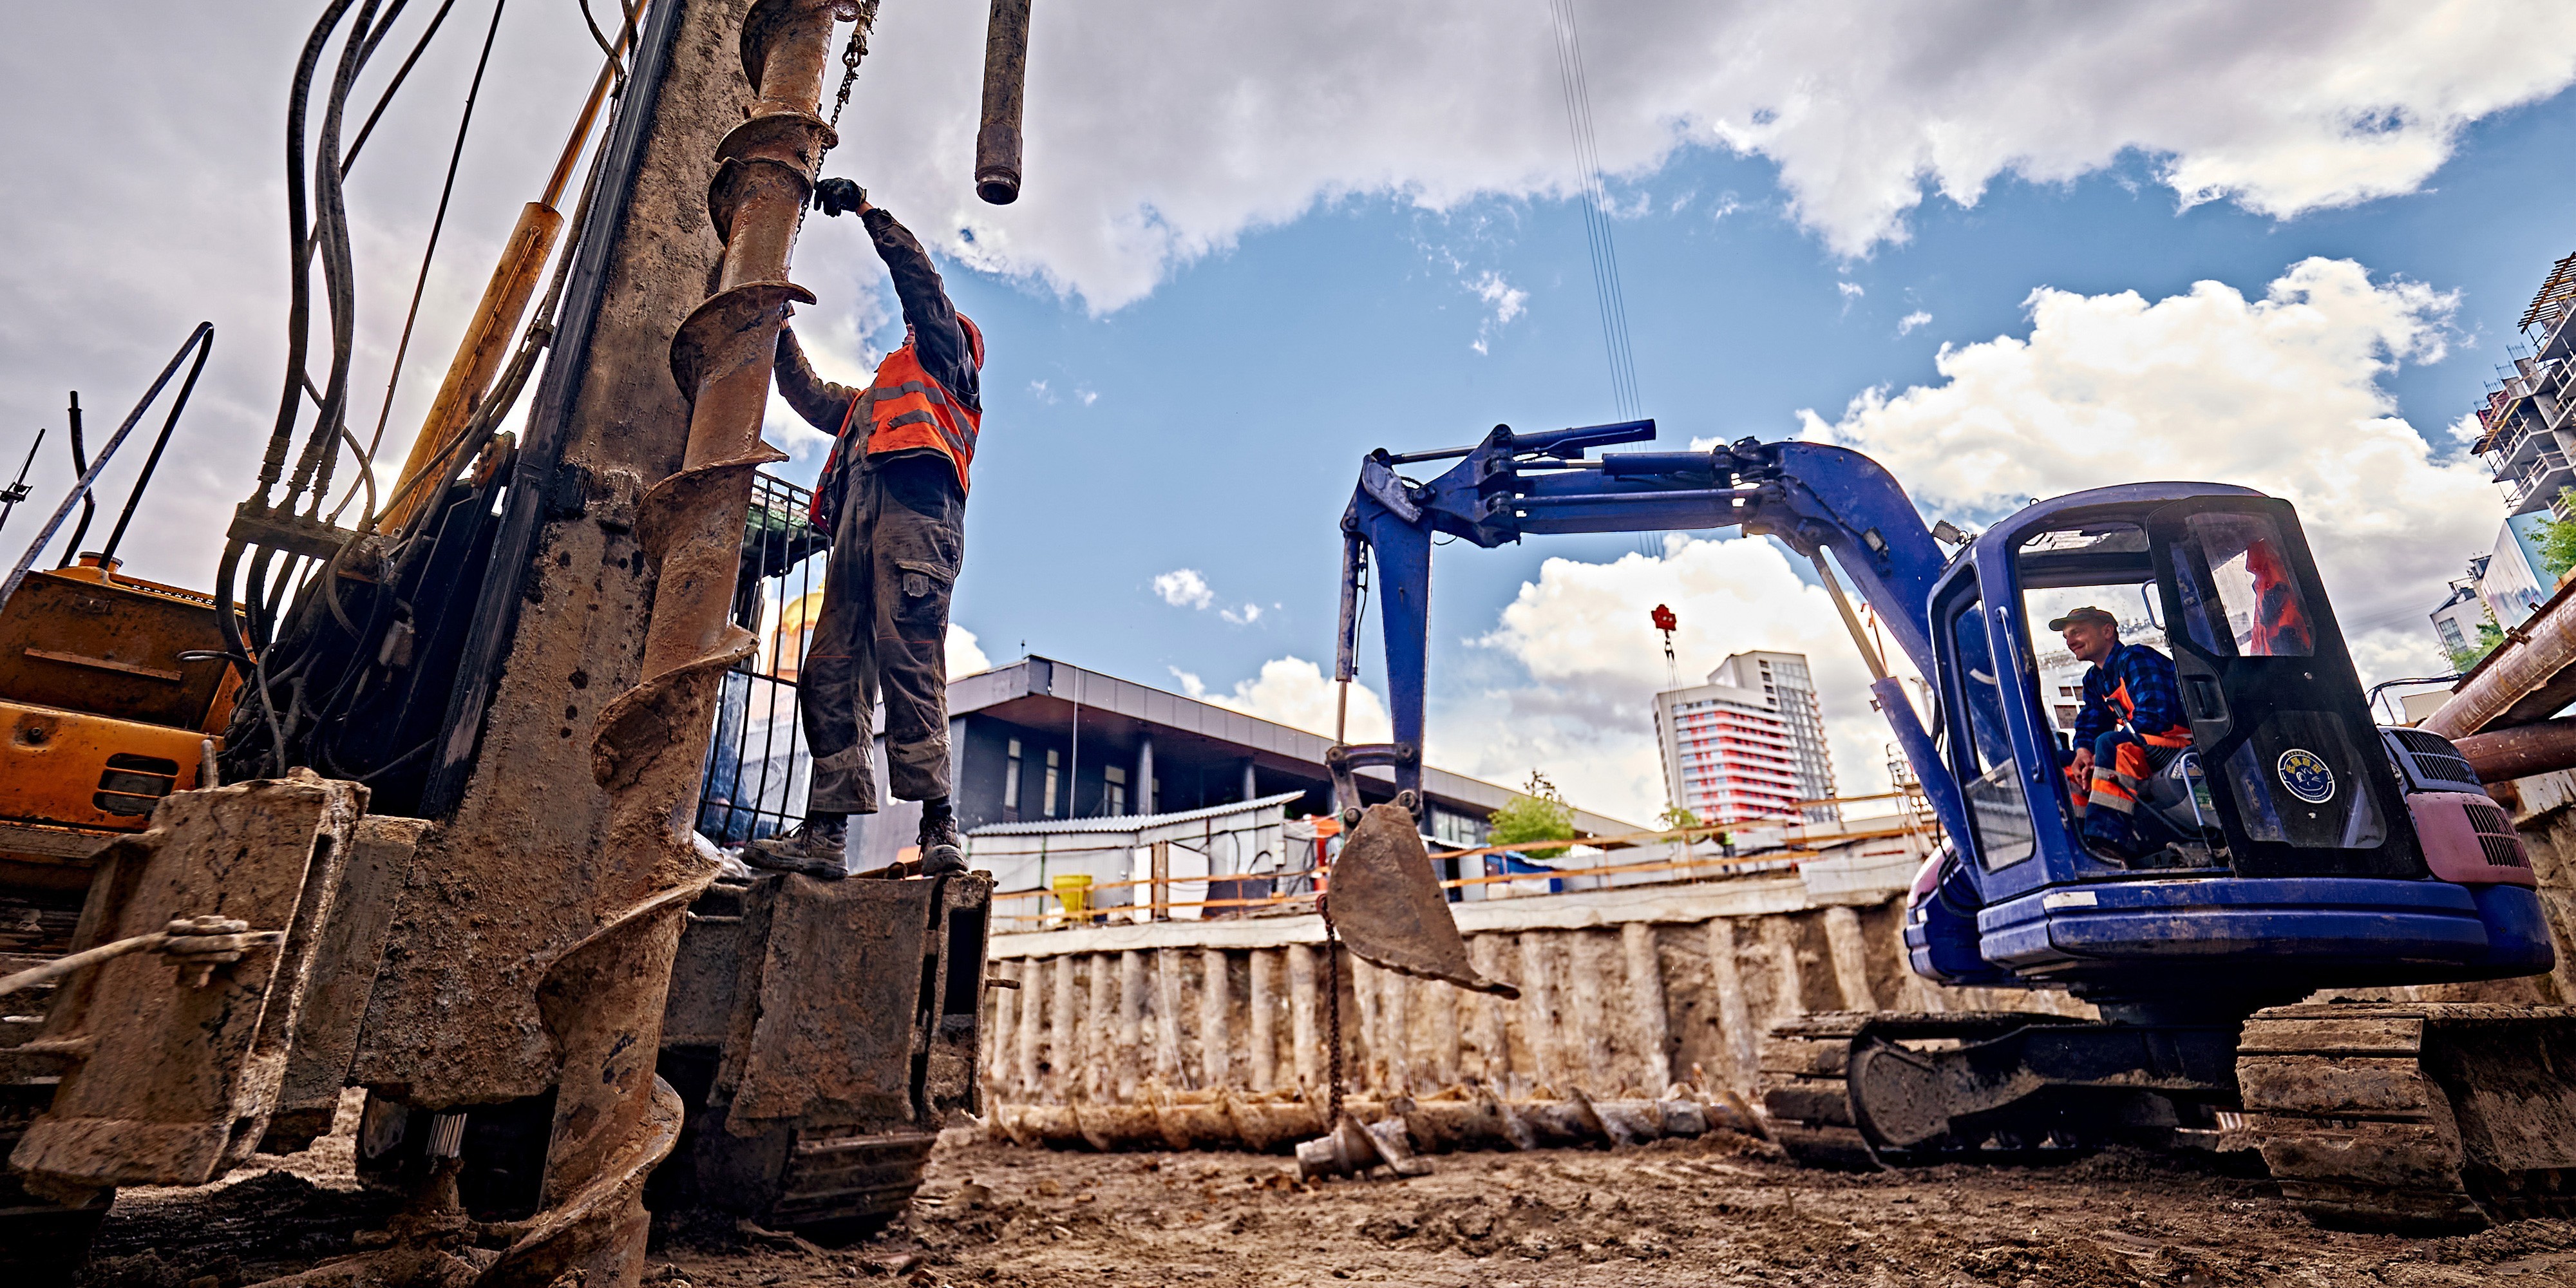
884 626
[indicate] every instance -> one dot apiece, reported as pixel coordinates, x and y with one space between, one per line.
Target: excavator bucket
1387 906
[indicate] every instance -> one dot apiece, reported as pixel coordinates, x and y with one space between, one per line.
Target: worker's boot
941 854
817 848
2108 834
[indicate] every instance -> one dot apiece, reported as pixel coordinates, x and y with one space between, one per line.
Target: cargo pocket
921 598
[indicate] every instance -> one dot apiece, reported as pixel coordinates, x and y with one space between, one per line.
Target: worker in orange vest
893 496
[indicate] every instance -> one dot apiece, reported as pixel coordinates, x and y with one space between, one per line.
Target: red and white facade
1749 745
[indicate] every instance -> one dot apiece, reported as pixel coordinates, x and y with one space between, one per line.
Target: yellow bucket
1074 892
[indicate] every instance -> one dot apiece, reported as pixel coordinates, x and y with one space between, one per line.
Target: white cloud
965 657
1594 662
1295 692
1906 325
1851 290
2282 393
1188 588
1506 301
1184 588
1505 298
1159 134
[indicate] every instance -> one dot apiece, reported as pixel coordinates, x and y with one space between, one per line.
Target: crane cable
1606 289
1596 211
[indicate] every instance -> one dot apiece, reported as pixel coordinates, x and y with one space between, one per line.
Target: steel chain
862 16
1333 1013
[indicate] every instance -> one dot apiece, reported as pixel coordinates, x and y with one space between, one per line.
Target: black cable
107 554
80 469
299 271
313 466
438 222
382 101
598 35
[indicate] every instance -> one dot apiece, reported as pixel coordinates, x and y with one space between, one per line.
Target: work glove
839 196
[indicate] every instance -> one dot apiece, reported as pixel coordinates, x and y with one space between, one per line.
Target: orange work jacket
905 408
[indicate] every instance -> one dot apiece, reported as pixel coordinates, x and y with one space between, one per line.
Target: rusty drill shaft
603 999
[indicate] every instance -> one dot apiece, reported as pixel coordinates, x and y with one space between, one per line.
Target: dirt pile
1714 1211
1720 1210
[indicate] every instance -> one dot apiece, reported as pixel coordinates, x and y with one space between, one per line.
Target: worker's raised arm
824 405
937 336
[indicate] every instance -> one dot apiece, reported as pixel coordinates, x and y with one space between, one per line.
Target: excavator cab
2279 851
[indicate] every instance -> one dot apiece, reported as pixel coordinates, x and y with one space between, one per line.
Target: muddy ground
1716 1211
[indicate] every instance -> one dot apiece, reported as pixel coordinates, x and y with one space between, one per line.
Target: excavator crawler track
1807 1089
1802 1063
2414 1117
844 1182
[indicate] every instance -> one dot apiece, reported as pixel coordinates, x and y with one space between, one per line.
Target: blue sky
1260 239
1230 407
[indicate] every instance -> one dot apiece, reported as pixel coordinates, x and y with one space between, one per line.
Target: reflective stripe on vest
906 409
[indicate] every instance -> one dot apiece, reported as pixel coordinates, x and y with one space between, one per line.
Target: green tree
1537 813
2489 636
2558 538
1675 818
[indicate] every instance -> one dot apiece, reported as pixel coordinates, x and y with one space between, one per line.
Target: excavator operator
893 496
2131 725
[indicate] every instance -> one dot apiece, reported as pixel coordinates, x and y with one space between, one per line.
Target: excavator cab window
2105 564
1991 779
2276 710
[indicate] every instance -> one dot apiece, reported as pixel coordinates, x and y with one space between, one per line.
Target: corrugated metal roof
1129 822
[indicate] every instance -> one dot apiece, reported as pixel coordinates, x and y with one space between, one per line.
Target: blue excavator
2293 847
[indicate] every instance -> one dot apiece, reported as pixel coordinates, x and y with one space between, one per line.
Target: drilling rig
431 834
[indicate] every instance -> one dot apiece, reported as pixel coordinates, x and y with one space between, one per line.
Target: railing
1788 856
2536 476
757 765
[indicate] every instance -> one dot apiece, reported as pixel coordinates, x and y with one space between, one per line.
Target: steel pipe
2520 682
2521 751
1006 74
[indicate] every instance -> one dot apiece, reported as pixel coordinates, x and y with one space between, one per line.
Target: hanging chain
1333 1012
862 16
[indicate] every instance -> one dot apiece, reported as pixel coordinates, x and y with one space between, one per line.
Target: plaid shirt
2135 686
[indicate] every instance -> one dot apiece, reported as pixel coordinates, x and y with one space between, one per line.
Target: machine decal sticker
2305 773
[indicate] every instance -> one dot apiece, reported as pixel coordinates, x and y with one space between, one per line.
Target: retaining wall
1623 992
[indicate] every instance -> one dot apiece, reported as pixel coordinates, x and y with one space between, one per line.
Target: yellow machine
110 688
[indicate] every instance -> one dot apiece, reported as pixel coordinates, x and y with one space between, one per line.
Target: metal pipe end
998 185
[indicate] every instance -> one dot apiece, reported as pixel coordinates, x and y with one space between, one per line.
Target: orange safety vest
906 408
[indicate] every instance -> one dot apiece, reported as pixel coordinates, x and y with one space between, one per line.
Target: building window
1050 783
1011 777
1113 790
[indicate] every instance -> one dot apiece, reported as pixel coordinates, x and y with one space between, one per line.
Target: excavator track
1802 1065
1806 1090
2414 1117
839 1180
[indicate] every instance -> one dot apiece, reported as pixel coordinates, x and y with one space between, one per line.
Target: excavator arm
1812 496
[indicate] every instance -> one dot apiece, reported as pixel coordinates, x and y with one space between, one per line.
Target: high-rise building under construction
1749 745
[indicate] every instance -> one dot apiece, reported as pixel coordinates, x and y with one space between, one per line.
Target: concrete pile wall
1622 993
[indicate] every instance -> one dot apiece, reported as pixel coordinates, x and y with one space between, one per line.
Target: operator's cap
2087 613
